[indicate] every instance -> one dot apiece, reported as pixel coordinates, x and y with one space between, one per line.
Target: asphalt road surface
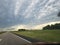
12 39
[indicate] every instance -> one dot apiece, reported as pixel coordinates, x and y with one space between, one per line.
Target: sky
28 14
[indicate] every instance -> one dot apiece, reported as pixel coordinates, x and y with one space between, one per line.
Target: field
46 35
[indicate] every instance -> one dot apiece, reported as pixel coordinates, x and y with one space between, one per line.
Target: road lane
12 39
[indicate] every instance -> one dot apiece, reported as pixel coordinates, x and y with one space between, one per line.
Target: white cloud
48 9
18 5
51 1
21 26
30 8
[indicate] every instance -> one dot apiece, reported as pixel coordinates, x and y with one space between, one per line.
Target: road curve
12 39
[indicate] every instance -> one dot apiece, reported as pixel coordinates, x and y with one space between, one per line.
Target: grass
1 32
46 35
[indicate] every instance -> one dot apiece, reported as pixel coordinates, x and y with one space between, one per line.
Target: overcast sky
28 13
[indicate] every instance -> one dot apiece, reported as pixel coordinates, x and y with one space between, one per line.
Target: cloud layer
28 12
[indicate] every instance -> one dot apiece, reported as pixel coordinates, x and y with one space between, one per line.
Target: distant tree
52 26
47 27
57 26
21 29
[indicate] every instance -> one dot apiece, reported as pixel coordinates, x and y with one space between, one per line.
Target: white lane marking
24 39
0 40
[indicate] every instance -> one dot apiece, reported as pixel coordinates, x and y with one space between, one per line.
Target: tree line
55 26
50 27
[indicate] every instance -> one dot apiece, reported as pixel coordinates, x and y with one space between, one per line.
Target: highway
12 39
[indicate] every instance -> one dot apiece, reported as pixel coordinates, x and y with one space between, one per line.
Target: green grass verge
1 32
46 35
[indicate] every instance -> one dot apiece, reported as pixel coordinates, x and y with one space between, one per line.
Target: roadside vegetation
46 35
52 27
49 33
1 32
